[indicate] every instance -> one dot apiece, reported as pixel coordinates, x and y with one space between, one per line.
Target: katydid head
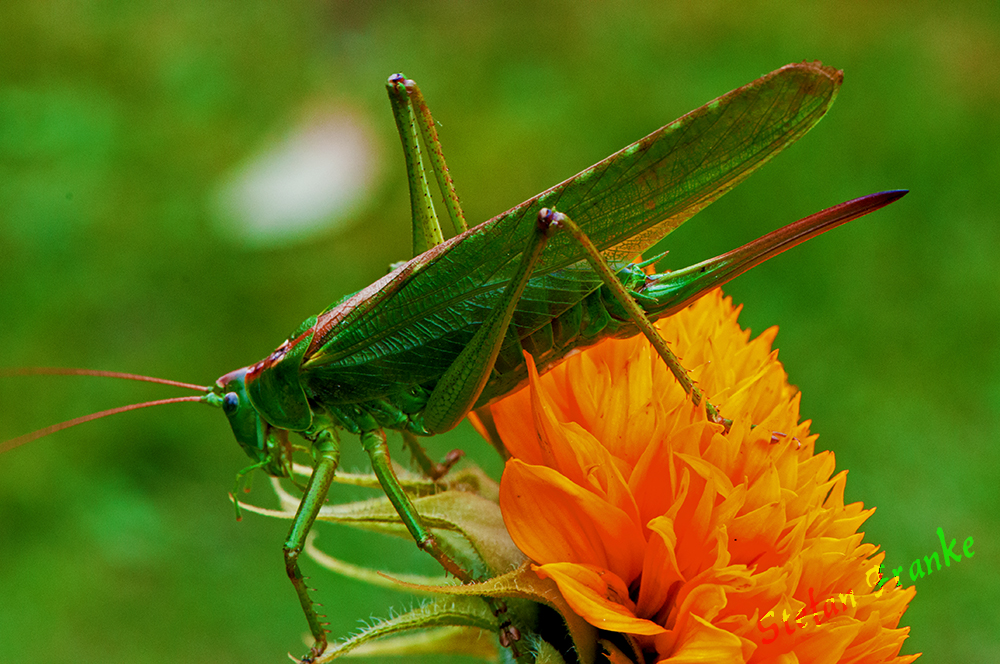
265 401
248 427
263 443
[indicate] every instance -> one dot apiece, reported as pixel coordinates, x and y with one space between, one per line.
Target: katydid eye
230 403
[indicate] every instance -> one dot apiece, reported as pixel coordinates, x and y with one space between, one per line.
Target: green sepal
466 518
471 614
524 584
415 484
470 523
547 654
371 576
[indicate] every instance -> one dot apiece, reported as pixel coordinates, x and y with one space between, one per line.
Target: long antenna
57 371
8 445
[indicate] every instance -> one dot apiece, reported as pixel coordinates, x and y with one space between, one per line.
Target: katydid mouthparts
445 333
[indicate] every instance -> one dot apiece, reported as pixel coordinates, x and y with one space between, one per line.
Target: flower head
696 543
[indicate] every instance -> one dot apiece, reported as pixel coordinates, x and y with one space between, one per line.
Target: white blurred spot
314 180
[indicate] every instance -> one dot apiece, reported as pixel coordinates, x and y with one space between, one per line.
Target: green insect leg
375 445
433 469
426 227
326 451
411 113
636 314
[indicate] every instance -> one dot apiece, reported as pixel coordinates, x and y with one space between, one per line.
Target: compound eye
230 403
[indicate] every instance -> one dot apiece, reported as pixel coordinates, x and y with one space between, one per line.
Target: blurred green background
121 124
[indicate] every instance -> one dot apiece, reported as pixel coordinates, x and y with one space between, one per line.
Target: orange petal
517 431
599 596
659 569
702 642
552 519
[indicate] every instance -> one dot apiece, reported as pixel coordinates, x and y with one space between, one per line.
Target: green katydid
444 333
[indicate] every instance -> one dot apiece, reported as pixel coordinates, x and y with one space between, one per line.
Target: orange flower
700 545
